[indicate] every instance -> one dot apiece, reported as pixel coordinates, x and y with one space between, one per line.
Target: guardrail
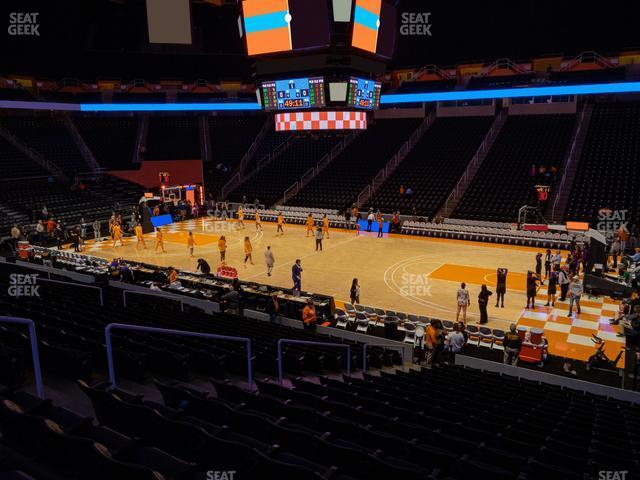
386 345
35 354
151 293
168 331
282 341
81 285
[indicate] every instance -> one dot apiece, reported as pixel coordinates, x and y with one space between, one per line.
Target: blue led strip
267 21
626 87
366 18
167 107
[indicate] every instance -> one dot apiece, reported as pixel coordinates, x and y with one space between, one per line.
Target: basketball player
160 240
117 235
140 236
222 246
280 224
310 224
258 221
325 225
240 217
247 251
191 242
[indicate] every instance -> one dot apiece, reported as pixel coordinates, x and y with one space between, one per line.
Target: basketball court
403 273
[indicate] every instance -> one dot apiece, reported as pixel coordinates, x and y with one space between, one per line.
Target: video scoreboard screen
374 27
363 93
293 94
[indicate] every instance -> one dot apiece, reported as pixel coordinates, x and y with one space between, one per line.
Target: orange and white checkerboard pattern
571 336
321 121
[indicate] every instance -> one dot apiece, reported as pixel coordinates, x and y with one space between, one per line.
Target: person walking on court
280 230
258 221
354 294
547 264
325 225
159 240
575 292
563 281
462 298
539 266
532 288
483 300
269 259
222 247
551 289
370 218
319 237
501 286
296 276
248 249
240 217
380 226
191 243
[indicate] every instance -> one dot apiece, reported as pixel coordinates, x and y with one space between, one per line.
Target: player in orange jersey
310 224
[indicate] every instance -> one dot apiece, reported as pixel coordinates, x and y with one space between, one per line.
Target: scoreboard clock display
293 94
363 93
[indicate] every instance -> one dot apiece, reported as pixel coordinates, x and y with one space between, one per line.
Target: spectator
430 343
575 292
273 307
402 190
563 281
409 192
453 343
231 301
512 344
309 316
15 236
40 232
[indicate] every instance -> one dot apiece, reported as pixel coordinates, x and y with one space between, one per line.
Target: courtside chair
369 312
423 320
485 337
363 324
380 315
412 318
498 339
342 319
409 332
448 325
351 311
359 308
474 334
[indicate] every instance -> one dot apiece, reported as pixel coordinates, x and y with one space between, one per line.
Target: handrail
231 183
288 194
35 354
168 331
82 285
570 160
282 341
151 293
364 194
364 352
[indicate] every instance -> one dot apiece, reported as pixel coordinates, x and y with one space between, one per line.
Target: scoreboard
363 93
293 94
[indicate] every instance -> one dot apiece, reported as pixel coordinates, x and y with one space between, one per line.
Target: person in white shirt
556 260
269 259
454 342
462 297
370 218
40 231
319 237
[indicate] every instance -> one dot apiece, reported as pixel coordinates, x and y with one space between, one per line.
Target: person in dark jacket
501 286
512 344
483 300
273 307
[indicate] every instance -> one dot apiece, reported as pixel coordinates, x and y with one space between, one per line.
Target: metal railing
430 70
73 284
151 293
569 162
386 345
282 341
475 161
588 57
31 152
35 354
504 63
168 331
